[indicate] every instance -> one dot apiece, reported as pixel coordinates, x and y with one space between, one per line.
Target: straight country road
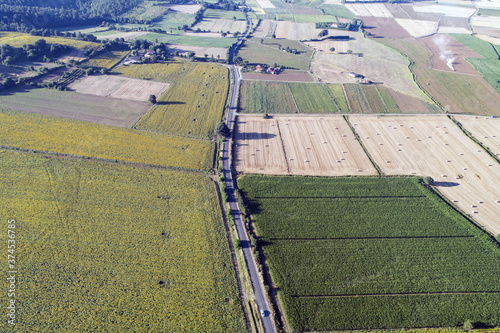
257 286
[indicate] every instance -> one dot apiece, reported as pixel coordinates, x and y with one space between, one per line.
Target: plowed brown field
434 146
300 145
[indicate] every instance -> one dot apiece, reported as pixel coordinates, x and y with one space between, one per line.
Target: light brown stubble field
303 145
485 129
434 146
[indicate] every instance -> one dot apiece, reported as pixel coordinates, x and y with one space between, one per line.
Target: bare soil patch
119 87
384 27
290 76
303 145
448 54
418 28
75 54
397 11
369 9
414 15
454 11
266 28
188 9
434 146
488 31
200 51
296 31
454 22
125 35
298 9
73 105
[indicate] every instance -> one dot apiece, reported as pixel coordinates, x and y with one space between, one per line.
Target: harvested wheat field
119 87
418 28
296 31
258 146
485 129
434 146
299 145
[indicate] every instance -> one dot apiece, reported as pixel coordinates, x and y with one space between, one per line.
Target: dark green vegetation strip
408 246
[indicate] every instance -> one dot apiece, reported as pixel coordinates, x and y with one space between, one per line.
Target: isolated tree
261 41
349 51
332 49
323 33
104 71
468 326
152 99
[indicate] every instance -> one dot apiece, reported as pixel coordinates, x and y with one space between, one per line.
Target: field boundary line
346 118
346 99
437 293
473 138
283 146
383 102
100 159
331 97
370 238
293 98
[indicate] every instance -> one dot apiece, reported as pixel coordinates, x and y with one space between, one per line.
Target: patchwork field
118 87
187 9
109 248
434 146
221 25
299 145
454 11
199 51
364 253
194 40
313 98
384 27
59 135
296 31
485 129
287 76
194 102
74 105
106 60
337 10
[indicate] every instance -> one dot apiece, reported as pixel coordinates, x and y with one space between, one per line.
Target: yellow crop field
113 248
106 60
193 104
17 39
47 133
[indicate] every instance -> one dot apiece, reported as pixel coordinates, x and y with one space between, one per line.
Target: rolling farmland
193 104
390 256
434 146
17 39
108 248
299 145
59 135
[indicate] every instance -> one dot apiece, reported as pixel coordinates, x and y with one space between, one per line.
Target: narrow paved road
258 289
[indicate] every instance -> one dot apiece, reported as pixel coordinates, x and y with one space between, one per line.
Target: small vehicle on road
263 313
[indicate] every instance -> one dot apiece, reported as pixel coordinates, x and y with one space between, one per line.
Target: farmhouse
352 74
273 70
259 68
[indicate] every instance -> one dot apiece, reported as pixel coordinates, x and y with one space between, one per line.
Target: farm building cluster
139 57
269 70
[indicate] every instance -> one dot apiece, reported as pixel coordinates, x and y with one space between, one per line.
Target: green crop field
174 20
337 10
312 98
193 104
337 94
357 99
266 97
489 12
388 100
368 253
113 248
223 14
489 66
189 40
269 54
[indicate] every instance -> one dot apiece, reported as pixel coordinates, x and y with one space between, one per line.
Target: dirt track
434 146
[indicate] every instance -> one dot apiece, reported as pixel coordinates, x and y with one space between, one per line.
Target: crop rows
193 104
106 247
106 60
312 98
337 94
358 253
60 135
266 97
